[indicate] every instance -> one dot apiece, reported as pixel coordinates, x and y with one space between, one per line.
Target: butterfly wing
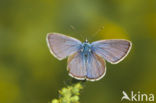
92 69
113 51
76 66
62 46
95 66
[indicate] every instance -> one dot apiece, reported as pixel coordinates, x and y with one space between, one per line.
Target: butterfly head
86 47
86 41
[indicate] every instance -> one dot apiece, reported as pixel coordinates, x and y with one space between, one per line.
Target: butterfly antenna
73 28
99 30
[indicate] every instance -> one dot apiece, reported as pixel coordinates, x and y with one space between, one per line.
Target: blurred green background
30 74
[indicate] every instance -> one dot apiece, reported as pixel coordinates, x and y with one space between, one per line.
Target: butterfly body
87 60
86 49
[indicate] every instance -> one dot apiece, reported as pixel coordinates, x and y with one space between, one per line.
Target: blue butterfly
87 61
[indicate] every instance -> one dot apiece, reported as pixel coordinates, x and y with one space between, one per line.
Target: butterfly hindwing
113 50
76 66
96 67
62 46
93 68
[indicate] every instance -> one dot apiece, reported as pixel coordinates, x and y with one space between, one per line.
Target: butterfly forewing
62 46
113 50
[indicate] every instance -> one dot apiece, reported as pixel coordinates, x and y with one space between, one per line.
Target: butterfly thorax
86 49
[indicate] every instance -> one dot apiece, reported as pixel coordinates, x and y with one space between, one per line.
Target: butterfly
87 61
